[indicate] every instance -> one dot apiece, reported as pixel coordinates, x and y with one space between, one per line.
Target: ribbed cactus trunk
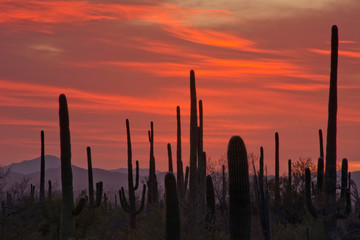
152 182
130 179
172 215
90 177
179 163
42 169
170 157
330 165
321 143
193 142
67 221
277 183
239 190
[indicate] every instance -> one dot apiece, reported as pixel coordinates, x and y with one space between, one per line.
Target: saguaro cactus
172 215
131 207
321 144
210 202
277 184
99 185
239 197
193 140
67 221
170 157
329 207
152 182
180 174
42 169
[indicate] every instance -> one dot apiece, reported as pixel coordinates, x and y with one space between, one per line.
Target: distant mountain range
113 180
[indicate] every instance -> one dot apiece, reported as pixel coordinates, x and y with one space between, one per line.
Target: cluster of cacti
262 197
99 185
152 181
130 207
67 221
328 207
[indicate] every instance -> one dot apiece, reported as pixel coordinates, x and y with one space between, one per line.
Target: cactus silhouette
152 181
239 190
131 207
49 190
321 144
42 169
170 157
172 215
210 202
328 207
277 186
67 221
179 164
99 185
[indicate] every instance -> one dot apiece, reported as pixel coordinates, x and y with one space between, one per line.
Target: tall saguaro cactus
180 174
152 182
277 184
239 190
329 207
172 215
170 157
131 207
321 145
67 221
99 185
42 169
193 139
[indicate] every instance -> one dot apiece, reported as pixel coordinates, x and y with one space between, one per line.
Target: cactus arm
99 191
79 206
42 169
321 144
137 176
90 177
277 183
309 203
170 157
179 164
141 208
320 174
123 202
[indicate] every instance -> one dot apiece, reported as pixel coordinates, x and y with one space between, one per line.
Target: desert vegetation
231 199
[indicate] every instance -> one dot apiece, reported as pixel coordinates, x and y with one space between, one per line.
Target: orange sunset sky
260 67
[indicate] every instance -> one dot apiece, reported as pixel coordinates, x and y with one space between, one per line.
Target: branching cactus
152 181
172 215
99 185
239 190
329 208
130 207
42 169
67 221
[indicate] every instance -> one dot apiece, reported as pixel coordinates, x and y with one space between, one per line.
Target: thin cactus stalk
152 182
179 163
321 144
42 169
193 141
90 177
170 157
289 174
210 202
277 183
172 214
224 188
261 164
99 191
320 175
49 190
131 206
239 190
67 221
